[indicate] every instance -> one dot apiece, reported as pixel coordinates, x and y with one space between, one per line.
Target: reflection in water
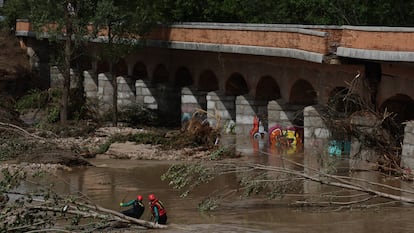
113 181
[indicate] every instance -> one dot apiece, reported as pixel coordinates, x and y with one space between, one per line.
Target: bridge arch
84 62
236 85
102 67
121 68
140 71
302 93
183 77
337 102
267 89
400 104
208 81
160 74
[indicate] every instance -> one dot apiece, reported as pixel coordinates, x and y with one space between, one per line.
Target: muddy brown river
113 181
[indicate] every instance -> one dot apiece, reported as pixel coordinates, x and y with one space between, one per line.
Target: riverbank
52 152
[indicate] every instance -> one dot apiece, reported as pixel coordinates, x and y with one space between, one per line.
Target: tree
64 21
125 24
288 180
13 10
66 25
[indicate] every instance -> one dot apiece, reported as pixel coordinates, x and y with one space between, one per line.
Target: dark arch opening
83 62
401 105
121 68
267 89
208 81
102 67
160 74
140 71
342 103
236 85
183 78
302 93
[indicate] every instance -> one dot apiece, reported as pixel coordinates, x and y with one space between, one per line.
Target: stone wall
316 132
246 109
282 114
191 101
407 158
221 106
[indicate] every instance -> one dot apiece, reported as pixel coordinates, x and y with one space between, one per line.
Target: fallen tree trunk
98 212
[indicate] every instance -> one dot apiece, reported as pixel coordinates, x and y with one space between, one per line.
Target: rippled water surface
114 181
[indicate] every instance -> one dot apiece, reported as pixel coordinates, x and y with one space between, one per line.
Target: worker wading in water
137 207
158 211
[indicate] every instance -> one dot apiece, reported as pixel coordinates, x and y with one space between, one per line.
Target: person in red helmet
159 213
137 207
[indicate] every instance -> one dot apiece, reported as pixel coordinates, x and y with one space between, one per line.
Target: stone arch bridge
280 73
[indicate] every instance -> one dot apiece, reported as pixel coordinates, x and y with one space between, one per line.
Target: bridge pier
407 157
316 133
126 91
90 84
246 109
191 101
164 98
145 94
57 79
220 107
168 99
283 114
105 91
362 157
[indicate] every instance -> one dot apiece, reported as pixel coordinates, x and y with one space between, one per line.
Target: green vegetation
136 115
187 176
48 101
10 148
323 12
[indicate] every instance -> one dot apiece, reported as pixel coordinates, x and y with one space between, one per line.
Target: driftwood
365 190
19 130
98 212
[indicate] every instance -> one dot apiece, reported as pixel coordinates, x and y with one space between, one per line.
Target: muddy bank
65 152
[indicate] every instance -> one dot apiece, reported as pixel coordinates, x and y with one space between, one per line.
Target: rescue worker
159 214
137 207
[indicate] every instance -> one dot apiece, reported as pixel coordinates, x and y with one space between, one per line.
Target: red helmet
139 198
151 197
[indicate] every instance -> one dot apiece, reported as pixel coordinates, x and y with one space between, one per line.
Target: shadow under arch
121 68
139 71
400 104
167 97
82 65
267 89
236 85
183 78
208 81
302 93
160 74
102 67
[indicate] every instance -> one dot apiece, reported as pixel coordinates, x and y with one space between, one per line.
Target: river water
114 181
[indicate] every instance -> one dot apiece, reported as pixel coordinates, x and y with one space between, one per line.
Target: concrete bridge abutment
316 132
247 108
407 157
105 92
126 91
193 101
221 109
284 114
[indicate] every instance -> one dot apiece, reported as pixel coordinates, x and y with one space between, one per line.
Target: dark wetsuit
136 210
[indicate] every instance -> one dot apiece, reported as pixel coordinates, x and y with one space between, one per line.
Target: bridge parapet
377 43
304 42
